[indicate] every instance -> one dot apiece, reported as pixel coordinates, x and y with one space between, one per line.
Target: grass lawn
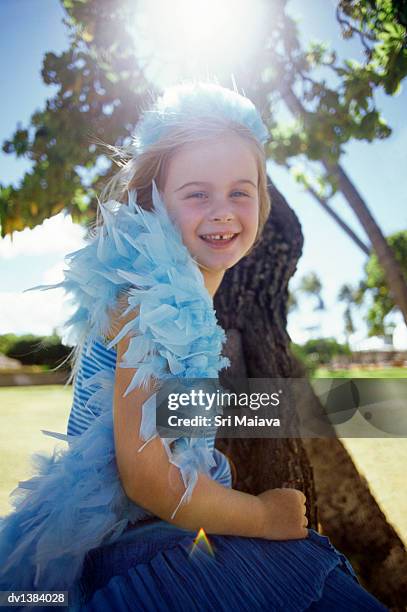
362 373
381 461
24 411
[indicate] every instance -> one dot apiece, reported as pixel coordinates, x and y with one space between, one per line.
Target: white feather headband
181 104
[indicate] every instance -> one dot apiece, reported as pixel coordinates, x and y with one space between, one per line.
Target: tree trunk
391 267
333 214
357 526
350 516
251 306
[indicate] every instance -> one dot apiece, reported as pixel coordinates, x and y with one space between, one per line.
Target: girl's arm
151 481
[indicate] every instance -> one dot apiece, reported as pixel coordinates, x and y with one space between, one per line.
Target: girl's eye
194 195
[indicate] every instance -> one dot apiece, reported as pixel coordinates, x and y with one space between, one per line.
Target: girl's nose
221 213
222 217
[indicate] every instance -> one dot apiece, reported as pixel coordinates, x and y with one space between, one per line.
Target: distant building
374 343
400 335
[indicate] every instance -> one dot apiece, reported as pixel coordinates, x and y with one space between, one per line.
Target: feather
181 104
75 501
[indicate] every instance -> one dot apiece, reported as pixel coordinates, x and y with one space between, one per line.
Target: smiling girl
115 518
218 214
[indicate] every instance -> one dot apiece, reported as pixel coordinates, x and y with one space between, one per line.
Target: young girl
114 518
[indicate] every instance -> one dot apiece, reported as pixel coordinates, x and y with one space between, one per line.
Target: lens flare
201 543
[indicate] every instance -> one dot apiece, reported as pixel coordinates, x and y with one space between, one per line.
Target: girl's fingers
291 484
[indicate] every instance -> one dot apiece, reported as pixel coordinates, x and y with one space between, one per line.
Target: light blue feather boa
75 501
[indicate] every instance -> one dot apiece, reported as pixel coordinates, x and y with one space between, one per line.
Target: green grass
362 373
24 411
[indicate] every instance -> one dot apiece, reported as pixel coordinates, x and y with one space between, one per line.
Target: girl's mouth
219 241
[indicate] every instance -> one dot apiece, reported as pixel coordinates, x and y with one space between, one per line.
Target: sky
31 28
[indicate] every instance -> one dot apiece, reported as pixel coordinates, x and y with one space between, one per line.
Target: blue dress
74 528
156 566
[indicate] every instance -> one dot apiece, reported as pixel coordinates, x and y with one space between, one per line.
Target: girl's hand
283 514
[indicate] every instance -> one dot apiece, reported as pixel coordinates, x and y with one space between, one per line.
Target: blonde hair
138 172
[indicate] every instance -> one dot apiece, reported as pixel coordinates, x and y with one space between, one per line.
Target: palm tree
347 295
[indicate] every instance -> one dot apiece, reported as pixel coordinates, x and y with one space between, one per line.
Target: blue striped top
96 358
100 358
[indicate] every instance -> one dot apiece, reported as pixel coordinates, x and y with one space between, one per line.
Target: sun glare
191 37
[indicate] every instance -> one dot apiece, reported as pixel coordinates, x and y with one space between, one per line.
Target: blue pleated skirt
156 566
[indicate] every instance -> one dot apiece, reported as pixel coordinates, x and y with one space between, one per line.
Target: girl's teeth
218 237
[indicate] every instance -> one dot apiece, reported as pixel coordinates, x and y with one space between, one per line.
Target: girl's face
211 188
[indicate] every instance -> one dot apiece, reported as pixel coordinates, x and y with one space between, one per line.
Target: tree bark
251 305
331 212
392 269
356 524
